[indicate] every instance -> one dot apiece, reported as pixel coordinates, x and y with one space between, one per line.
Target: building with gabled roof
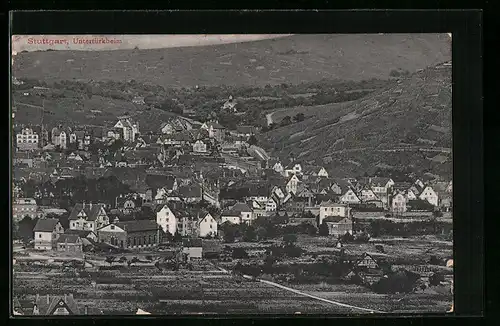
130 234
70 243
88 217
55 305
46 232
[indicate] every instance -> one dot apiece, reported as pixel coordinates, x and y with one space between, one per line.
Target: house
215 130
193 248
47 231
27 139
70 243
85 236
246 212
316 171
200 147
410 195
59 137
207 226
231 217
430 195
278 192
139 100
271 205
350 197
338 225
230 104
367 194
398 203
24 207
55 305
419 184
129 203
130 129
131 234
367 262
293 169
293 184
329 208
278 167
88 217
166 219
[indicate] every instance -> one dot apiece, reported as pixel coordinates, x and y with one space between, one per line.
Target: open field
168 292
291 59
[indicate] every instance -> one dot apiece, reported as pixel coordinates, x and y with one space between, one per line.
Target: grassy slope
350 138
290 59
78 111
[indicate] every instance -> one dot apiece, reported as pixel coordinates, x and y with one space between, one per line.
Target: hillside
291 59
405 125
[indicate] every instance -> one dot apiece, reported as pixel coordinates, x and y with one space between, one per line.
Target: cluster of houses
184 163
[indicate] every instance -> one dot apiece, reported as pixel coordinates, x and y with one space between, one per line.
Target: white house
46 233
271 205
199 147
410 195
322 172
294 169
166 219
27 139
278 192
419 183
278 167
88 217
350 197
398 203
430 195
231 217
207 226
330 208
293 184
130 129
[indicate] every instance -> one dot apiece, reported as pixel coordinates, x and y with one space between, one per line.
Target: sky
32 42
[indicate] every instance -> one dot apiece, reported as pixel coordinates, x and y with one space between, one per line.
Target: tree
299 117
239 253
149 257
252 140
289 239
177 236
110 260
26 226
286 121
435 279
122 259
133 261
249 235
323 229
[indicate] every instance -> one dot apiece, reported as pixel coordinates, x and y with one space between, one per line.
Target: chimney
48 299
37 297
83 205
65 298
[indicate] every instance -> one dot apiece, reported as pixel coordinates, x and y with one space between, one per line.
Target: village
199 196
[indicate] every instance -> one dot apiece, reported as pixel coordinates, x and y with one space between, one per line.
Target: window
128 242
134 241
39 235
211 226
150 239
112 227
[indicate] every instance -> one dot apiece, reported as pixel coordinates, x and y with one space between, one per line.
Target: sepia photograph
231 174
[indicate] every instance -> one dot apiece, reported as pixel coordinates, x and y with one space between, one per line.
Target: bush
323 229
400 282
435 279
289 239
292 251
239 253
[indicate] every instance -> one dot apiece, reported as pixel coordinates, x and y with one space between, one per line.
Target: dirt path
340 304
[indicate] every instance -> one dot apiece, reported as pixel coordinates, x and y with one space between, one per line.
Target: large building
24 207
130 235
27 139
130 129
47 232
88 217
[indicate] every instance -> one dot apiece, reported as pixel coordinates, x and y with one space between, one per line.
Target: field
181 292
405 125
291 59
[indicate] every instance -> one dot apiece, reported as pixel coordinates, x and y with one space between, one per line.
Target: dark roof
68 238
334 219
91 210
192 243
48 308
241 207
137 226
45 225
80 233
160 181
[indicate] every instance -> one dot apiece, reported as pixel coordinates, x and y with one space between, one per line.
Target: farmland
181 292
